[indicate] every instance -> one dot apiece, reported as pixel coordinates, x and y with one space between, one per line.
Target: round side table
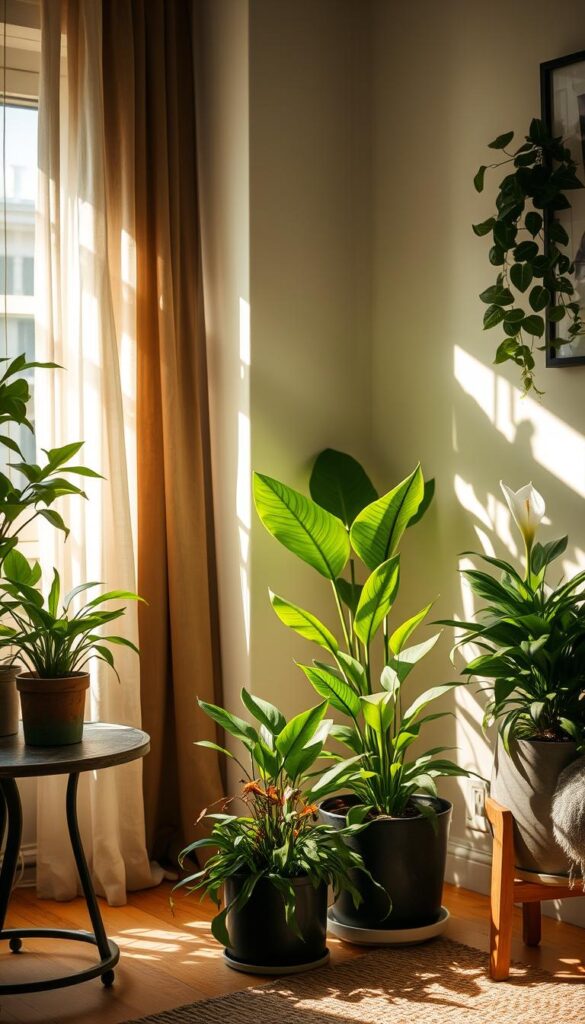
102 746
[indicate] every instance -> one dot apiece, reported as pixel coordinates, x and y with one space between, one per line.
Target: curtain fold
118 291
179 634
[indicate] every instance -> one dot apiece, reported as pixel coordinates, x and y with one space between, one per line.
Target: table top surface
102 745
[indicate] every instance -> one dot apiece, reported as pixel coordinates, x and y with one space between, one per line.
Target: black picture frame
549 70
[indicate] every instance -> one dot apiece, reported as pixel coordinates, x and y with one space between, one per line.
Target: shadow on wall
496 431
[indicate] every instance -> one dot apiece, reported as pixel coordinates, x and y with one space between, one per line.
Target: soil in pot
52 709
9 706
524 781
259 933
404 855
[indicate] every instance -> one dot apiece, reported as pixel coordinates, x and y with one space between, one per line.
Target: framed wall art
562 84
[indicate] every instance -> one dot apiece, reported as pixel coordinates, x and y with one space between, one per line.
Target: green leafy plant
531 283
44 484
346 532
532 637
52 640
278 839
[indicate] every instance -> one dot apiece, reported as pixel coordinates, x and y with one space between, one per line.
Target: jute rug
442 982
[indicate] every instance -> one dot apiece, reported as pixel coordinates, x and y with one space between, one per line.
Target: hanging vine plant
532 286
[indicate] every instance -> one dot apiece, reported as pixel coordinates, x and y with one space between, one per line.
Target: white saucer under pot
386 936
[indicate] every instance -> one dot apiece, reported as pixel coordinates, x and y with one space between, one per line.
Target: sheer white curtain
85 289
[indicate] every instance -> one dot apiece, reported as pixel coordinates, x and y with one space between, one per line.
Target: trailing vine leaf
528 201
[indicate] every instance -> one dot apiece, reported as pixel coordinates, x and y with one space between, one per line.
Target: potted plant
346 526
20 505
273 861
531 267
532 637
55 644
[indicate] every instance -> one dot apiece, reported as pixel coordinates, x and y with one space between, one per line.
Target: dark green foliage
531 193
50 639
533 648
279 838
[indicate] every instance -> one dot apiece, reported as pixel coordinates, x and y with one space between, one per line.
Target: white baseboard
25 875
470 867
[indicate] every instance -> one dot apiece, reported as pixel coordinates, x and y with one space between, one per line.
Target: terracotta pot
52 709
524 781
8 700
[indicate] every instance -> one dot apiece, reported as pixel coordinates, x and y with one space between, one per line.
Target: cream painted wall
338 144
447 79
309 286
221 32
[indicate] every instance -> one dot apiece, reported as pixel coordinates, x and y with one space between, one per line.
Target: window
17 242
18 190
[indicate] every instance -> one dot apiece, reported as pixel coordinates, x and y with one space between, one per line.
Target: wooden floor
171 960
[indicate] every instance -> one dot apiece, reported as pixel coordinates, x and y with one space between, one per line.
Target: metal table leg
108 950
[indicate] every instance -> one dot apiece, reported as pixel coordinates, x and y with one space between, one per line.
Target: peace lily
527 508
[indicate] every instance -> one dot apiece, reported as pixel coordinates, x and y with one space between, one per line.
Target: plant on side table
273 862
55 644
20 505
532 636
346 526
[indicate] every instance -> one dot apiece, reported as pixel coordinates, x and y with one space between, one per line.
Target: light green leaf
335 777
264 712
432 694
17 568
297 733
231 723
304 623
404 662
378 709
335 690
54 595
376 531
376 599
354 671
209 745
401 635
302 526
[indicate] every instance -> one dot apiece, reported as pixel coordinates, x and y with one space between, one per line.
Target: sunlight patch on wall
555 445
244 466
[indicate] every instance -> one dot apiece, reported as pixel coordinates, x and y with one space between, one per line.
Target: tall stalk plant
350 536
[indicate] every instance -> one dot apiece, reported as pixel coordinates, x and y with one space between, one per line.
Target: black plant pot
259 934
407 857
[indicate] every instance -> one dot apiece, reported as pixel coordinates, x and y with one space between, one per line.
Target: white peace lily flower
527 508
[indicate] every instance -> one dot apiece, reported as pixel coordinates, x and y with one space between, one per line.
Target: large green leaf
429 493
339 484
376 531
298 732
302 526
264 712
376 599
231 723
334 689
433 693
378 709
404 662
401 635
304 623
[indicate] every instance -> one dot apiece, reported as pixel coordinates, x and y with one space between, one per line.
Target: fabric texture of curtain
117 293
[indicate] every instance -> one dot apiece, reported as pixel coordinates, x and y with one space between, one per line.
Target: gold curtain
149 107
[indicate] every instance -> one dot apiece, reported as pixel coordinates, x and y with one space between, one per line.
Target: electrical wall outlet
475 816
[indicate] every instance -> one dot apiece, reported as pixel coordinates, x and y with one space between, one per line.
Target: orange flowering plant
278 837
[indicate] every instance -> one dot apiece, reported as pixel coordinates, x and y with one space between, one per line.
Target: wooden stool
507 889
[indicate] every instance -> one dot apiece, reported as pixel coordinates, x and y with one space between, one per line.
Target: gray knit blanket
568 815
